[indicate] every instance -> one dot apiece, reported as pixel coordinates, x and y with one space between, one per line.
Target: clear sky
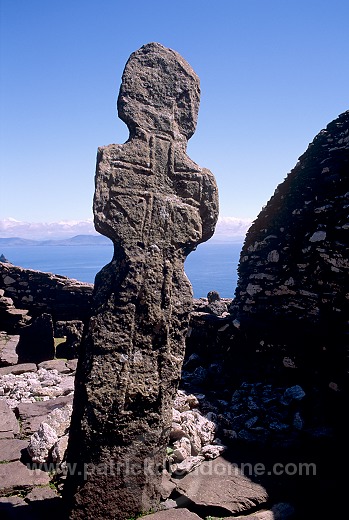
273 74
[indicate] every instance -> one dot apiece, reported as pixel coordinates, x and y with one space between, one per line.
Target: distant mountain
228 229
16 241
78 240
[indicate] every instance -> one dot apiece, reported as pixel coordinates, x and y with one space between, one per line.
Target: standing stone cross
156 205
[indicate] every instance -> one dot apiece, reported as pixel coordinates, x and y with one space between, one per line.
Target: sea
211 267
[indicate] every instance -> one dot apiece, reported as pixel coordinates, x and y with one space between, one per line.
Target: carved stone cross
156 205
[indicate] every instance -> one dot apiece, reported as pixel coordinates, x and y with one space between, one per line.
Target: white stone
183 444
253 289
41 443
318 236
189 464
59 419
59 449
212 451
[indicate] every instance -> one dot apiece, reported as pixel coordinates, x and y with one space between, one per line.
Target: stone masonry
156 205
293 287
38 292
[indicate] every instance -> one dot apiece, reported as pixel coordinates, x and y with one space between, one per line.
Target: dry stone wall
38 292
293 287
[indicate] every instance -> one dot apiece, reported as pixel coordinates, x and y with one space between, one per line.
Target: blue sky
273 74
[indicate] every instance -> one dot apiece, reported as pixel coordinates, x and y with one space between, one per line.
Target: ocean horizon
213 266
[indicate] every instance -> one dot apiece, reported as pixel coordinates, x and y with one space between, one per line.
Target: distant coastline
78 240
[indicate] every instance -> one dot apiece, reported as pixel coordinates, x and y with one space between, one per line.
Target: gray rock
293 393
219 483
156 205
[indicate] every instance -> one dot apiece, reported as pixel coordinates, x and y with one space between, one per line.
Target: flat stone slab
8 354
173 514
55 364
10 449
220 484
18 369
41 493
8 422
15 476
33 414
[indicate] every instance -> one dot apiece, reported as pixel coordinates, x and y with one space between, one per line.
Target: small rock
41 443
59 449
292 393
212 451
188 465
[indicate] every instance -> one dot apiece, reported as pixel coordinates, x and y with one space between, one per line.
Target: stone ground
230 486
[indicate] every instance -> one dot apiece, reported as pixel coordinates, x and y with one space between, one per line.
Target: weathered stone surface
8 422
33 414
156 205
220 484
8 344
10 449
174 514
62 297
42 442
37 343
15 475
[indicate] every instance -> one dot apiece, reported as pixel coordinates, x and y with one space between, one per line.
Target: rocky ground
235 449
